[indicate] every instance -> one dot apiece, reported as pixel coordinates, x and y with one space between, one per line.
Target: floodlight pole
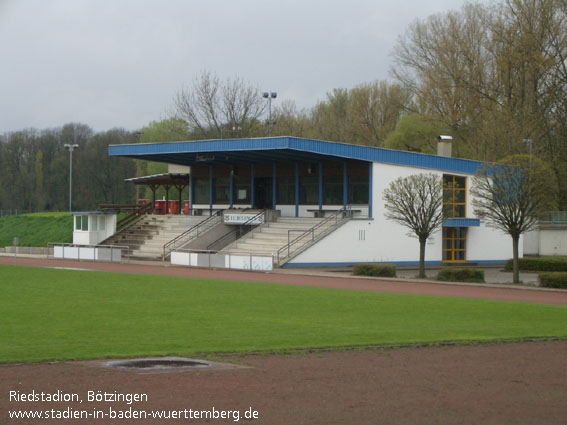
270 96
70 148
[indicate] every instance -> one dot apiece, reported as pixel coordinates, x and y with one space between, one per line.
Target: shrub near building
377 270
461 275
540 264
553 280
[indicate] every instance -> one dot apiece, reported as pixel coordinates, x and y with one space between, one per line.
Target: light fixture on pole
70 148
270 96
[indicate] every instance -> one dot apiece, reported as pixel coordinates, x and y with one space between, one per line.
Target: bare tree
512 197
215 108
416 202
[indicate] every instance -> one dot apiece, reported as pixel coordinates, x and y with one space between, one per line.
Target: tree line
35 169
492 76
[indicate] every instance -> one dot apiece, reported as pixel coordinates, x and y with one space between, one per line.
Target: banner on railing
243 218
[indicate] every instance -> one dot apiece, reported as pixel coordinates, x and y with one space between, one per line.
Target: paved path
316 278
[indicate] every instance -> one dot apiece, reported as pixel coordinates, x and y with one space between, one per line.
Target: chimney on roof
444 146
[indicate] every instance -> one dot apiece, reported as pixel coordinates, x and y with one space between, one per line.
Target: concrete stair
147 237
271 236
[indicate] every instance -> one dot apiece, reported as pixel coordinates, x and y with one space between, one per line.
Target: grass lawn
61 314
36 229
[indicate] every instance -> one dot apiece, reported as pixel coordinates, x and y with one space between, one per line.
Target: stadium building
301 183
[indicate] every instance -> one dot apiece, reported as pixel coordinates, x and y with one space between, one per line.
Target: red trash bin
160 207
186 208
173 207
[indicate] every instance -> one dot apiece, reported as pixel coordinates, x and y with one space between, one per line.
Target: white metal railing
309 236
222 260
70 251
192 233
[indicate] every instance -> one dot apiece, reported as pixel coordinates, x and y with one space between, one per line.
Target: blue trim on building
345 185
320 185
231 186
395 263
252 193
370 193
210 190
462 222
284 149
191 192
274 186
297 189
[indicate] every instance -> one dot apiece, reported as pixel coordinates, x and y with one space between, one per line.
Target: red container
173 207
186 208
160 207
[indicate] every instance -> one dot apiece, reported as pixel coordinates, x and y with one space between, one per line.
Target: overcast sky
119 63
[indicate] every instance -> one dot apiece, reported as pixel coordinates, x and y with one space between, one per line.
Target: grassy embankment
36 229
62 314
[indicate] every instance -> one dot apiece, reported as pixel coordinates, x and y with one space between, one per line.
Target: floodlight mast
70 148
270 96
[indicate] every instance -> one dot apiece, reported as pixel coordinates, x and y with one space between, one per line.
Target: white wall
382 240
553 241
95 234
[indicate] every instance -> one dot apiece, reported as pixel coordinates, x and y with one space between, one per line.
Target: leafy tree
513 196
416 202
417 133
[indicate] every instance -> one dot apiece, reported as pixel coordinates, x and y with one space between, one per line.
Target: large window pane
308 190
358 190
241 191
333 190
221 190
201 191
286 190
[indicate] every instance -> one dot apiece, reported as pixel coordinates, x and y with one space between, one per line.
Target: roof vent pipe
444 145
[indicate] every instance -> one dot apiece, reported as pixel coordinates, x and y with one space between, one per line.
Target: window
333 190
454 196
221 189
241 190
454 244
201 191
82 222
309 190
286 190
358 190
101 222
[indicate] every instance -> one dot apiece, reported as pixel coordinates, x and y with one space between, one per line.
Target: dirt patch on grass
486 384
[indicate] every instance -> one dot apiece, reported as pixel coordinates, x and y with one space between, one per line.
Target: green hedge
381 270
461 275
553 280
540 264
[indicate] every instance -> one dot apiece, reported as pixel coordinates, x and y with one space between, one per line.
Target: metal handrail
317 232
133 217
243 229
188 235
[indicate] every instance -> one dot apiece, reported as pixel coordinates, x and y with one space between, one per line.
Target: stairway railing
310 236
192 233
236 233
138 211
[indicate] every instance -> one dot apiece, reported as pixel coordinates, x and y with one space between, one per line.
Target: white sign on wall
235 218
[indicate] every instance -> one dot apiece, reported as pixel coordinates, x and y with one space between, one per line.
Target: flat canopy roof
161 179
282 149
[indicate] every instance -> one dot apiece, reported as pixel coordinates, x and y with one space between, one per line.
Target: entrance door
263 193
454 244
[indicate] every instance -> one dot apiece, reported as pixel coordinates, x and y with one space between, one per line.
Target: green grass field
52 314
36 229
